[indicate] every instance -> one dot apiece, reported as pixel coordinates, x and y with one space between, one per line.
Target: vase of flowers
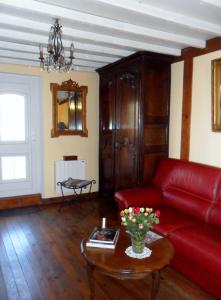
137 222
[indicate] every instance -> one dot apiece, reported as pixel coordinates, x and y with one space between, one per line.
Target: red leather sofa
188 195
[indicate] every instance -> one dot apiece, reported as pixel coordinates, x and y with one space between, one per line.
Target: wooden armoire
134 119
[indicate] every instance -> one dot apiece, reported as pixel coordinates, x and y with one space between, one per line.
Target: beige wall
205 145
55 148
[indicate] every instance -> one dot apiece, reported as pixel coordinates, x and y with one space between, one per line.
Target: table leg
90 271
155 284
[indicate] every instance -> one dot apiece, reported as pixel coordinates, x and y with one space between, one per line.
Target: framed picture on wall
216 94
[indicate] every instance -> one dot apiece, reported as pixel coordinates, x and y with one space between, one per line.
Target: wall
55 148
205 145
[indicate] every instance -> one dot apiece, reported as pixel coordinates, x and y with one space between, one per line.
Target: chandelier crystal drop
55 58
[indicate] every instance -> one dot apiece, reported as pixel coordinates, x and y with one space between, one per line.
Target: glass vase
138 243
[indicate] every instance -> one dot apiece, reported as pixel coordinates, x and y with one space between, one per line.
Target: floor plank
23 255
17 271
3 290
50 270
41 259
34 261
7 272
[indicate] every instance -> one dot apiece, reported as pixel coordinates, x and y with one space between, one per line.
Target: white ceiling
104 31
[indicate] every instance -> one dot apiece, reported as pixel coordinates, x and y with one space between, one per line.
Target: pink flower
140 226
157 213
122 213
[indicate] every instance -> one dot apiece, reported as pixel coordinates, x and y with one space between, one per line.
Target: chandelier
55 58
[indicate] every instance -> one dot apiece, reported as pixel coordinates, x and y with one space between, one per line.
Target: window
12 118
13 167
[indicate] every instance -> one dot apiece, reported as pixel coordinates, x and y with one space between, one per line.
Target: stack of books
103 238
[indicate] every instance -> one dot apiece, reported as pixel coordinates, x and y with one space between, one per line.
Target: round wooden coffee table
115 263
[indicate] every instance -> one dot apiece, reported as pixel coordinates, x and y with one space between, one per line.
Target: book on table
103 238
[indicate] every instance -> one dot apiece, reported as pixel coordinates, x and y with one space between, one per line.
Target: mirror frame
70 86
216 94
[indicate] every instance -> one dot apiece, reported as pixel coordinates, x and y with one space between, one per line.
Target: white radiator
68 168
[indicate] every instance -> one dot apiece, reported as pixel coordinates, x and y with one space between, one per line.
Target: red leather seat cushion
201 244
172 219
148 196
195 273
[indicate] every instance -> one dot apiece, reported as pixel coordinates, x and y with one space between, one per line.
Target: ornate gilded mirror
69 109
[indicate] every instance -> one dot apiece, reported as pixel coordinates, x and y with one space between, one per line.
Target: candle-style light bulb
72 51
103 224
41 51
50 41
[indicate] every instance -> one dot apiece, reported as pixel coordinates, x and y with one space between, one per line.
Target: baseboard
36 200
20 201
59 199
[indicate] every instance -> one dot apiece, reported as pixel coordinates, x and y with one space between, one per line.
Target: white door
20 135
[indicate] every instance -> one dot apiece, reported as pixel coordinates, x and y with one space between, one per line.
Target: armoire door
134 99
107 129
126 132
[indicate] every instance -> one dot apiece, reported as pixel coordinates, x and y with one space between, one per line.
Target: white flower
141 209
130 209
123 219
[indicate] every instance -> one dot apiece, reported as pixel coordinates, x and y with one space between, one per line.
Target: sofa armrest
148 196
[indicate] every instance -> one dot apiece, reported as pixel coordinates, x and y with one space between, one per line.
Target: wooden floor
40 257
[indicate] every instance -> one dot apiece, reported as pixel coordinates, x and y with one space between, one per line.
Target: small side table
77 185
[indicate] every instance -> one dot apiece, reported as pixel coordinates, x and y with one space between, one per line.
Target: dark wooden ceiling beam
187 56
211 46
186 108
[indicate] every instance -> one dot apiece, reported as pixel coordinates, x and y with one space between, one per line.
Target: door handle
117 145
126 141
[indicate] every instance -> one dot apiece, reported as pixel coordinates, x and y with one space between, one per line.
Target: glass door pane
13 167
12 118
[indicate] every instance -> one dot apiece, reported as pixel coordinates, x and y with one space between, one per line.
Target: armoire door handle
117 145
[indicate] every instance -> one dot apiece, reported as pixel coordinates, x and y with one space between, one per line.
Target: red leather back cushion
148 196
187 203
197 179
215 212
